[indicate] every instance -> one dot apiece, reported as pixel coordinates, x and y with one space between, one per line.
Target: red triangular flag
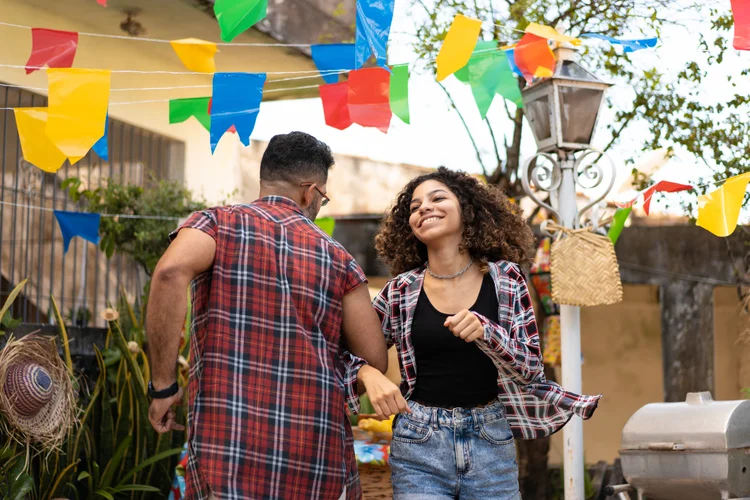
741 14
335 104
102 2
533 57
662 187
56 49
232 129
369 98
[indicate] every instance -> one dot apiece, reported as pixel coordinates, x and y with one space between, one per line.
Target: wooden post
687 325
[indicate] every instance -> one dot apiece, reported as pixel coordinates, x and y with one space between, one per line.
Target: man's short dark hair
296 157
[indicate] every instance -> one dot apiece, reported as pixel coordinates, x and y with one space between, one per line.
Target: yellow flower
110 314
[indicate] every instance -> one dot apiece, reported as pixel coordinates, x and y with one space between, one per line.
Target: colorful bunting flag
458 45
37 148
335 99
73 224
551 33
197 55
719 210
236 16
628 45
56 49
399 91
662 187
618 223
78 100
182 109
101 148
534 58
741 14
373 20
490 74
482 48
326 224
235 101
331 58
369 101
511 54
232 129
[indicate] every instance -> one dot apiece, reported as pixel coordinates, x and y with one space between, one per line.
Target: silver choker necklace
437 276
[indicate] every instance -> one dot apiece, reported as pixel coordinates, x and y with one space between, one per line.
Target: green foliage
113 453
6 319
143 239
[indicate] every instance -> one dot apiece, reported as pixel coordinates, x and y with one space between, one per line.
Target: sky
436 135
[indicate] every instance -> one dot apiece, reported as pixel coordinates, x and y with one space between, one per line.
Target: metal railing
82 280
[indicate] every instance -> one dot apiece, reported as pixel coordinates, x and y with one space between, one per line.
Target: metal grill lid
700 423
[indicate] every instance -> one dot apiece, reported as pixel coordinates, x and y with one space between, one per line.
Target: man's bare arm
361 328
190 254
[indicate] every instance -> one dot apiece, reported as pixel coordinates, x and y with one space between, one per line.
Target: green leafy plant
113 453
143 238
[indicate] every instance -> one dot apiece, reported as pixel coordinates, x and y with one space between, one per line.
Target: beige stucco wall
210 175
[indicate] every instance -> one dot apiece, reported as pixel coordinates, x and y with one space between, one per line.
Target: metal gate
83 280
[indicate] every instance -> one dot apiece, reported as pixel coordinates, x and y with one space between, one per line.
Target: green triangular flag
482 47
490 74
236 16
618 223
182 109
400 91
327 224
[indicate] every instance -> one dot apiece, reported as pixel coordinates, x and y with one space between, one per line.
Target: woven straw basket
584 269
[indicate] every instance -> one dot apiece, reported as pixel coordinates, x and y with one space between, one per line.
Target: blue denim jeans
464 454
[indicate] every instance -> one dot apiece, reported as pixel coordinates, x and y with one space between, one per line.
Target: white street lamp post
563 111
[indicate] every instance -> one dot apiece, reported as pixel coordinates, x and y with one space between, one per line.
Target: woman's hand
384 395
465 325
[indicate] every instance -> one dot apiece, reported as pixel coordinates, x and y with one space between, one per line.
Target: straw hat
37 399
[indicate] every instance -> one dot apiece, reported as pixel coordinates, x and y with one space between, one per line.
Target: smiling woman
492 226
460 316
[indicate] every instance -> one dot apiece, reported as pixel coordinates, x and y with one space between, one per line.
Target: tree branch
466 126
494 141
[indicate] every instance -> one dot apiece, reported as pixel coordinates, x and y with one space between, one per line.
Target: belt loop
435 423
475 416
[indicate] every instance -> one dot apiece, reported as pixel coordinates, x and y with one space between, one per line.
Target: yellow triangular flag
197 55
551 33
458 45
37 148
719 210
77 110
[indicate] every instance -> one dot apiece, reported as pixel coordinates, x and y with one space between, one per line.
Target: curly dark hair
494 228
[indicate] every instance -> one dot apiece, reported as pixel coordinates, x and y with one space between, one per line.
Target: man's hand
162 415
465 325
384 395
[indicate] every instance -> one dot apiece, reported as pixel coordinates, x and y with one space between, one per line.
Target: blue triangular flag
101 147
373 27
235 101
80 224
628 45
333 56
511 54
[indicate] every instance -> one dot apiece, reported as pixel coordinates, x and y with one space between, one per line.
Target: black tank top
450 371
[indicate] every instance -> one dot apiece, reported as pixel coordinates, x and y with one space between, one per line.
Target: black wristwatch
164 393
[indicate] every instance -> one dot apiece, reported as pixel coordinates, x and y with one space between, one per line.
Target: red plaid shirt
267 410
535 407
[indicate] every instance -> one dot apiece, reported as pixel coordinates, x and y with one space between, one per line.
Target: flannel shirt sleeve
355 276
352 363
204 220
516 347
